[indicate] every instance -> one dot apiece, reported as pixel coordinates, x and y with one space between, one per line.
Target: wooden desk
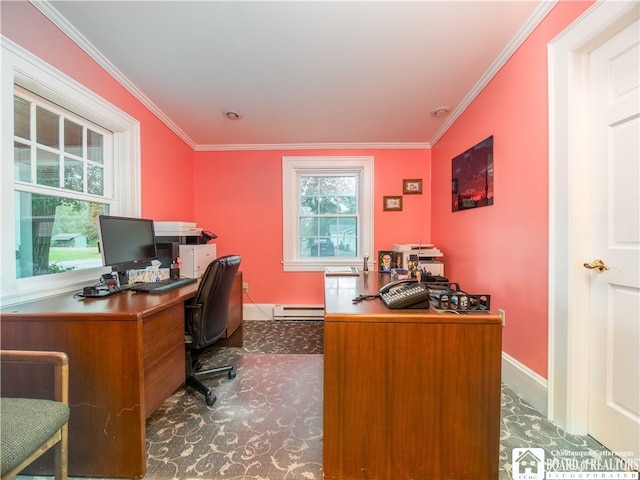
126 356
408 394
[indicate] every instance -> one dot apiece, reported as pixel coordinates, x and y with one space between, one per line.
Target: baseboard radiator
298 312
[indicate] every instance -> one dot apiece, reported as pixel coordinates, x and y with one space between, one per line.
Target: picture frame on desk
388 260
385 260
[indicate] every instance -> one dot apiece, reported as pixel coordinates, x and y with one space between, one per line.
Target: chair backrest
207 315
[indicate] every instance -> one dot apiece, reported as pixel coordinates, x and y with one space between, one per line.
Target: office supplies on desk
447 296
105 287
162 285
348 271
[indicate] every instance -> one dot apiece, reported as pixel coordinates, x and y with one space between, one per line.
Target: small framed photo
412 186
385 260
392 204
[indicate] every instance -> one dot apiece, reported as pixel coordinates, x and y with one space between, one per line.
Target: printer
188 242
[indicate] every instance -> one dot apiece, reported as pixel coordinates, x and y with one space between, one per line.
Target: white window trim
291 168
20 67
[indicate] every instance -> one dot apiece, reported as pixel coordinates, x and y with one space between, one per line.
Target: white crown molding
532 22
314 146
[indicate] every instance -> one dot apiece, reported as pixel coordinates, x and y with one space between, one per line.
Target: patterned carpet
267 422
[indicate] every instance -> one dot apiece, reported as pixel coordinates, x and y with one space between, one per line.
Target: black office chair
206 319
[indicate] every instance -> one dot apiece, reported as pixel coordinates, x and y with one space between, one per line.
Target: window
327 211
67 156
59 165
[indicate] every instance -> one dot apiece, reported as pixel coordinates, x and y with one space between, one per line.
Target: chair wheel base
196 384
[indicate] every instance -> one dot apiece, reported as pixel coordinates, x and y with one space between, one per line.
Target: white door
614 325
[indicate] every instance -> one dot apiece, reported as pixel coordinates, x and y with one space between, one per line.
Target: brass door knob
597 265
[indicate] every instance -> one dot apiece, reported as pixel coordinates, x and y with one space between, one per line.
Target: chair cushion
26 423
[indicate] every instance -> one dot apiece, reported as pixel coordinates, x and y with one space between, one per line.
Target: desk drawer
164 351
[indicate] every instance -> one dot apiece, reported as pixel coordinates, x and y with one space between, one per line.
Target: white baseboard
529 386
255 311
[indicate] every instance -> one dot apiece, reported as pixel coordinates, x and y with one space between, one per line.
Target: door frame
568 56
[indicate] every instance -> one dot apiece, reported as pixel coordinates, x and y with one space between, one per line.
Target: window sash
61 158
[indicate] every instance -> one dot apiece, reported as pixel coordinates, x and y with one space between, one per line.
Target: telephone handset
407 293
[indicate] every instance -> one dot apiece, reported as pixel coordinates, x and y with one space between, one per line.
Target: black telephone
407 293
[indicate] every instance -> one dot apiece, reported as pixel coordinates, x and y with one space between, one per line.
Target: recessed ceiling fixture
232 114
440 111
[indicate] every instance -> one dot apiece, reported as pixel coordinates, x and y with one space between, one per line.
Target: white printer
426 255
194 256
181 232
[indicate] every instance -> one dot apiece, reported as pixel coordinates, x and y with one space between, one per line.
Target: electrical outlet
245 287
502 316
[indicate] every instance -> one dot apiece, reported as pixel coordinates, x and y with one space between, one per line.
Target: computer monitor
126 243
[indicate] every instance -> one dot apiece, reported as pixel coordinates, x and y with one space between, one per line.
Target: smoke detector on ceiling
232 114
440 111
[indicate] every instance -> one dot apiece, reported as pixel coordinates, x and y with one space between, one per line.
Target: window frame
23 69
292 168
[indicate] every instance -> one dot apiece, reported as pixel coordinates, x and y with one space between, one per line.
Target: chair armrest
60 363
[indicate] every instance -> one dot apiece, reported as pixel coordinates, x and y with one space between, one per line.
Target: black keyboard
162 285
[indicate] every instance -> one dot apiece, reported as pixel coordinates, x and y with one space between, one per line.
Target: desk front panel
408 394
106 425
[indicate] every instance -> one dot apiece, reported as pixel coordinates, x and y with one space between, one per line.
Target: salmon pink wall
239 197
502 249
167 162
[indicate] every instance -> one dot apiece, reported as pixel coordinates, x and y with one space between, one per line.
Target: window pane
320 247
309 205
308 228
72 138
95 180
73 175
47 128
95 148
47 168
337 185
22 118
55 234
308 185
346 205
22 162
328 205
347 236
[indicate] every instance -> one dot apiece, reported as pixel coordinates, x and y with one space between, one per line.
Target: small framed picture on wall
412 186
392 204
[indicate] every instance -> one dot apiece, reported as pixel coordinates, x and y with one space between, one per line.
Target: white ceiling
306 73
